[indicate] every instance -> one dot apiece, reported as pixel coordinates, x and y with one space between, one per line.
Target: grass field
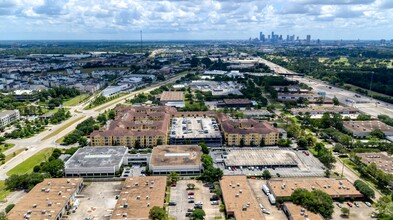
5 146
106 106
76 100
3 192
28 165
370 93
62 128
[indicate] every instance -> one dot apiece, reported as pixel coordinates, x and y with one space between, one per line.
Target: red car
349 204
306 153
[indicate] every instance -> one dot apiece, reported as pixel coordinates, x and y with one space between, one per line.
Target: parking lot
307 166
276 214
362 212
98 200
135 170
179 194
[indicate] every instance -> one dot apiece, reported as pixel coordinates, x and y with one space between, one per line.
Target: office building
95 162
8 116
175 99
296 212
182 159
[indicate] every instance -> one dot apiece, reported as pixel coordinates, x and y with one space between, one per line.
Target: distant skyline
194 19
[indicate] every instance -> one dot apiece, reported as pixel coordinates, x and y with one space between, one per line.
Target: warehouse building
336 188
362 129
8 116
239 199
138 196
296 212
95 162
182 159
381 160
247 132
317 112
175 99
193 130
50 200
235 103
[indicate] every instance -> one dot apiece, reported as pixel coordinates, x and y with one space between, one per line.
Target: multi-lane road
363 103
39 142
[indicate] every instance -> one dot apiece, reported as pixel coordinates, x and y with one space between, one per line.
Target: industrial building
235 103
193 130
138 196
247 132
362 129
317 112
257 157
296 212
336 188
182 159
135 126
50 200
95 162
381 160
239 199
175 99
216 88
114 90
8 116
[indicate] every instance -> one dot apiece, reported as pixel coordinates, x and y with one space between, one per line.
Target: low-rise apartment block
247 132
135 126
318 111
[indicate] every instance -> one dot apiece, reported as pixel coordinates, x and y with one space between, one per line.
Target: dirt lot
98 202
276 214
201 193
362 212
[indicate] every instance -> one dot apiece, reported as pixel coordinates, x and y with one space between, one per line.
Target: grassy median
62 128
27 165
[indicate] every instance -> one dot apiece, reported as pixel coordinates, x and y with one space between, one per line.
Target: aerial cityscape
212 109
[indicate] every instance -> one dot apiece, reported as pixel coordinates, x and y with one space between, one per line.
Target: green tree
205 149
335 101
315 201
9 207
345 211
364 189
378 134
266 174
55 168
3 216
198 214
302 143
173 177
157 213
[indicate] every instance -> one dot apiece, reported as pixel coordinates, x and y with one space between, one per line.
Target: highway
363 103
36 143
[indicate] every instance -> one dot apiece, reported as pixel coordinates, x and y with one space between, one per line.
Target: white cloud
207 19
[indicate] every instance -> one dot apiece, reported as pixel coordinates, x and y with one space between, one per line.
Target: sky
194 19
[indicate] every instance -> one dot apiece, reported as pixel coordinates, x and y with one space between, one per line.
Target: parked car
215 202
190 210
190 193
349 204
367 204
198 203
214 198
339 205
266 211
190 197
173 185
188 214
172 203
191 201
198 207
356 204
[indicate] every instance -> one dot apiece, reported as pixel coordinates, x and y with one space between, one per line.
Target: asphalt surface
35 144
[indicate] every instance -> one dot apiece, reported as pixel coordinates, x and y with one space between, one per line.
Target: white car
190 197
367 204
266 211
198 203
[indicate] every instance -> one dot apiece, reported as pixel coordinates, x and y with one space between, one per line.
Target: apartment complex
8 116
49 200
135 126
247 132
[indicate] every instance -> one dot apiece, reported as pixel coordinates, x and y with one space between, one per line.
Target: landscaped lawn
76 100
3 191
28 165
13 154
